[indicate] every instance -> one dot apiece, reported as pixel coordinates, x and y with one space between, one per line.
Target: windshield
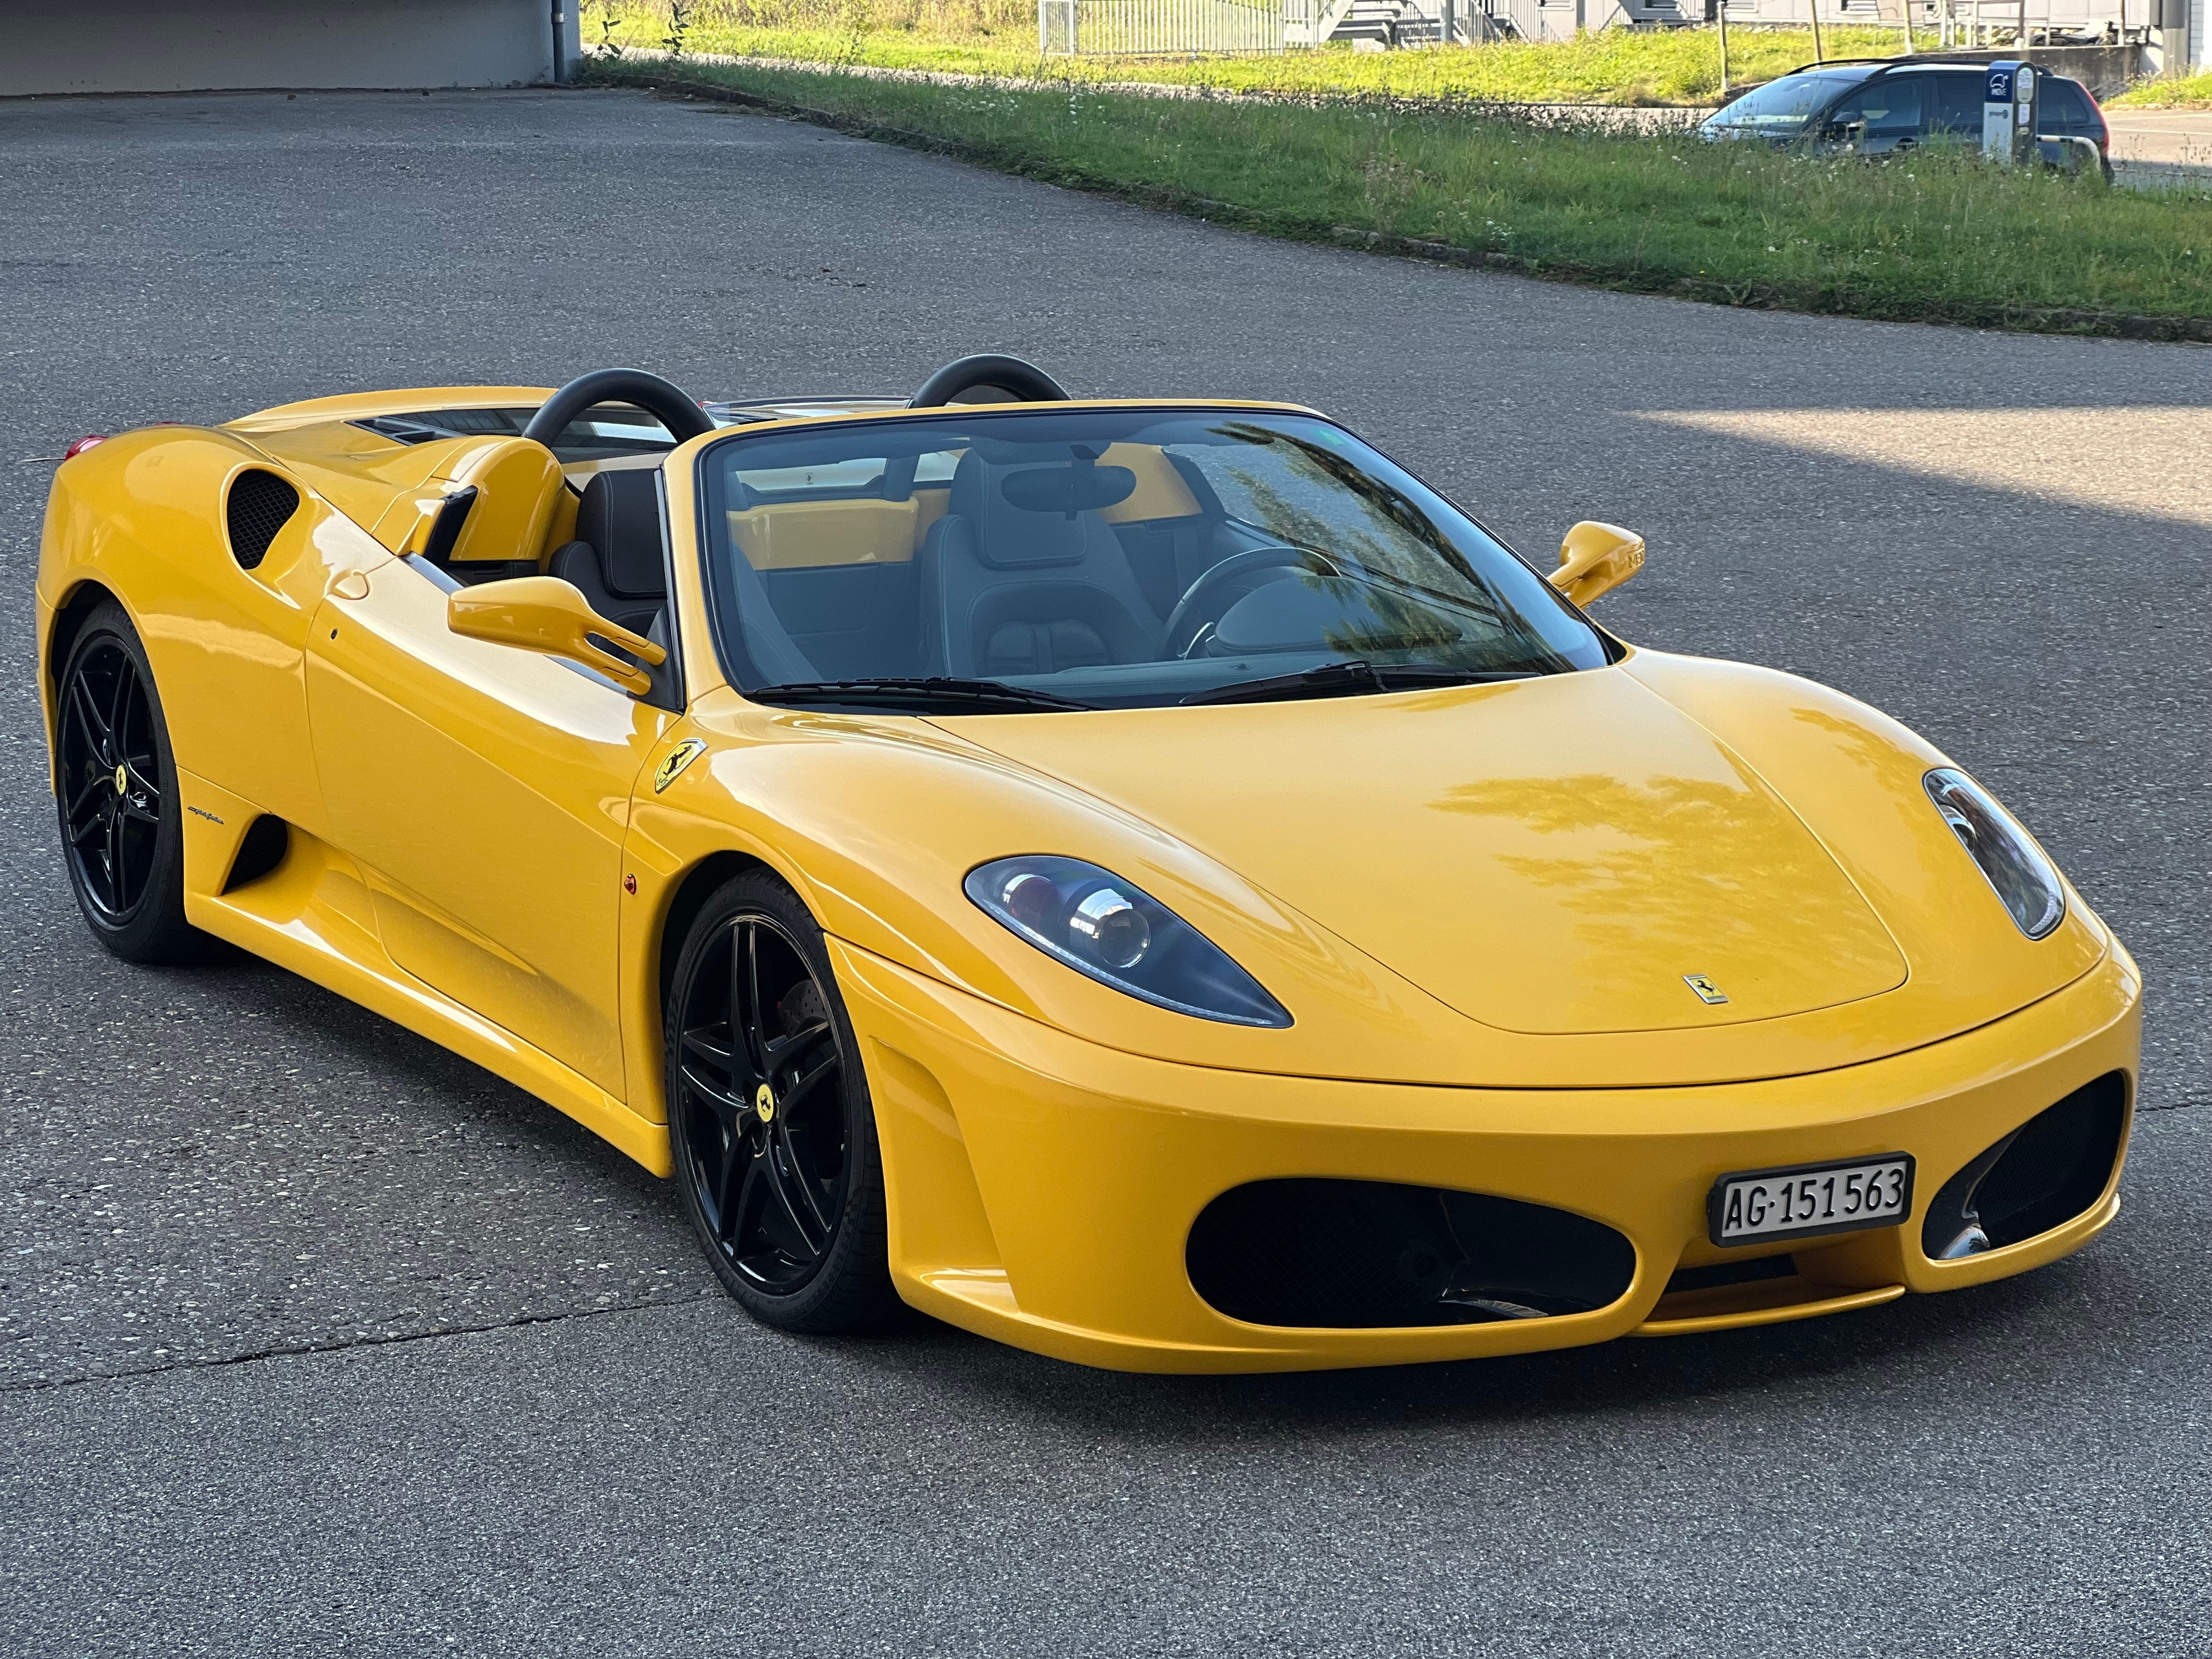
972 562
1782 106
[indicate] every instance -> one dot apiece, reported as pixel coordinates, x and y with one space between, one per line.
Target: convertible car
1147 880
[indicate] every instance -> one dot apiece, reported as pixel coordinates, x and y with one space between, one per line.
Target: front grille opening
1361 1255
260 850
2042 1174
1731 1272
260 504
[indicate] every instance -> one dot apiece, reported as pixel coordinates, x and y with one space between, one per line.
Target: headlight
2024 879
1100 924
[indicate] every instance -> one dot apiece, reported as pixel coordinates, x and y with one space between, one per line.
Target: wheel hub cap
112 812
758 1105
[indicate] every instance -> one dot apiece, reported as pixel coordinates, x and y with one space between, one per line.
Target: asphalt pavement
2167 137
314 1340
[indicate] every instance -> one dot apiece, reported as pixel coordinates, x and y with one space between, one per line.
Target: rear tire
123 838
769 1123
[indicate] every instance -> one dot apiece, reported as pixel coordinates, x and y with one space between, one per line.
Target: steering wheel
1204 602
1028 383
657 398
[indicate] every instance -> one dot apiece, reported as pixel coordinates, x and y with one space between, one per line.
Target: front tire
123 839
770 1123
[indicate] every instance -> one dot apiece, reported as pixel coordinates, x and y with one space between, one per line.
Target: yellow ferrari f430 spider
1147 880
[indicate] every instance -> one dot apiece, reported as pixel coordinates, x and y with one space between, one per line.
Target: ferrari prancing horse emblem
677 759
1707 991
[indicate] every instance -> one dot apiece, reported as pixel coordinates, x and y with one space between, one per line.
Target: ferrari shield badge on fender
1707 991
676 760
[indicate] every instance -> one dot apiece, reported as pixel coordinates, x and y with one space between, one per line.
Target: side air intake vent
1367 1254
260 504
2041 1176
263 847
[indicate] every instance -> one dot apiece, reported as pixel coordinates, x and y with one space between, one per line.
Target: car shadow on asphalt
352 1040
1940 1343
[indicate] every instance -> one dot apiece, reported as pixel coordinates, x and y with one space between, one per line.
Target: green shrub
2182 92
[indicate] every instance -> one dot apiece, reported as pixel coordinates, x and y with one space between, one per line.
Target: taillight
2104 127
84 444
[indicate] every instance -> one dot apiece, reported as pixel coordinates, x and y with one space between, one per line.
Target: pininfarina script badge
678 758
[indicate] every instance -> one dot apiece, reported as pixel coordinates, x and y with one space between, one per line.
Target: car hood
1572 854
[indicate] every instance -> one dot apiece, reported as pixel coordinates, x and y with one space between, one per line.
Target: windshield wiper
1346 679
929 691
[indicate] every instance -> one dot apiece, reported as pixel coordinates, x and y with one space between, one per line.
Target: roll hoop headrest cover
1026 382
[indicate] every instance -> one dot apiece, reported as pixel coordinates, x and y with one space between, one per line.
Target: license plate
1760 1206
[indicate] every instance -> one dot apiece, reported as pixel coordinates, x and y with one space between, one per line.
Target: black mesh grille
260 504
1368 1253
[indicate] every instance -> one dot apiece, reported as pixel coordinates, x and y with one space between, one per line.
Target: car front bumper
1041 1188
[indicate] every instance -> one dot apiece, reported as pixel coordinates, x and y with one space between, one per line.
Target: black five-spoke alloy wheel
115 781
772 1131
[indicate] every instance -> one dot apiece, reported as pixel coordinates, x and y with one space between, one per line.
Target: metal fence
1106 28
1168 27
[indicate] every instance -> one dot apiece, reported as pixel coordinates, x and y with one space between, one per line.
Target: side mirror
1595 558
545 614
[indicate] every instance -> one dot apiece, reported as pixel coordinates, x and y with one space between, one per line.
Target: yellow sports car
1147 880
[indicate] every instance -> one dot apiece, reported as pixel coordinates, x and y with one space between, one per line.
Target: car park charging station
2009 111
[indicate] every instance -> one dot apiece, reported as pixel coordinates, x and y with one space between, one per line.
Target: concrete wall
2107 72
194 45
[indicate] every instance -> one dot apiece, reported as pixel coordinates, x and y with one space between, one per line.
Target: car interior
1103 557
615 557
1009 569
587 455
846 572
939 551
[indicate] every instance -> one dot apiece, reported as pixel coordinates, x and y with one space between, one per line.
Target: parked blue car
1879 106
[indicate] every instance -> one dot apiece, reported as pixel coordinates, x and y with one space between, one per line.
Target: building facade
195 45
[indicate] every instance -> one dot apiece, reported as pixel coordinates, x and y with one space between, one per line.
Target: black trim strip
446 528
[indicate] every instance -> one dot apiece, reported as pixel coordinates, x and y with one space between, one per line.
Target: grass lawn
2184 92
988 37
1938 238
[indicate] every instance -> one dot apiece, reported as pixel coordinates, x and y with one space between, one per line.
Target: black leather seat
617 559
1004 591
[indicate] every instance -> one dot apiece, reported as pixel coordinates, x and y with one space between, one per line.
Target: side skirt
312 914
